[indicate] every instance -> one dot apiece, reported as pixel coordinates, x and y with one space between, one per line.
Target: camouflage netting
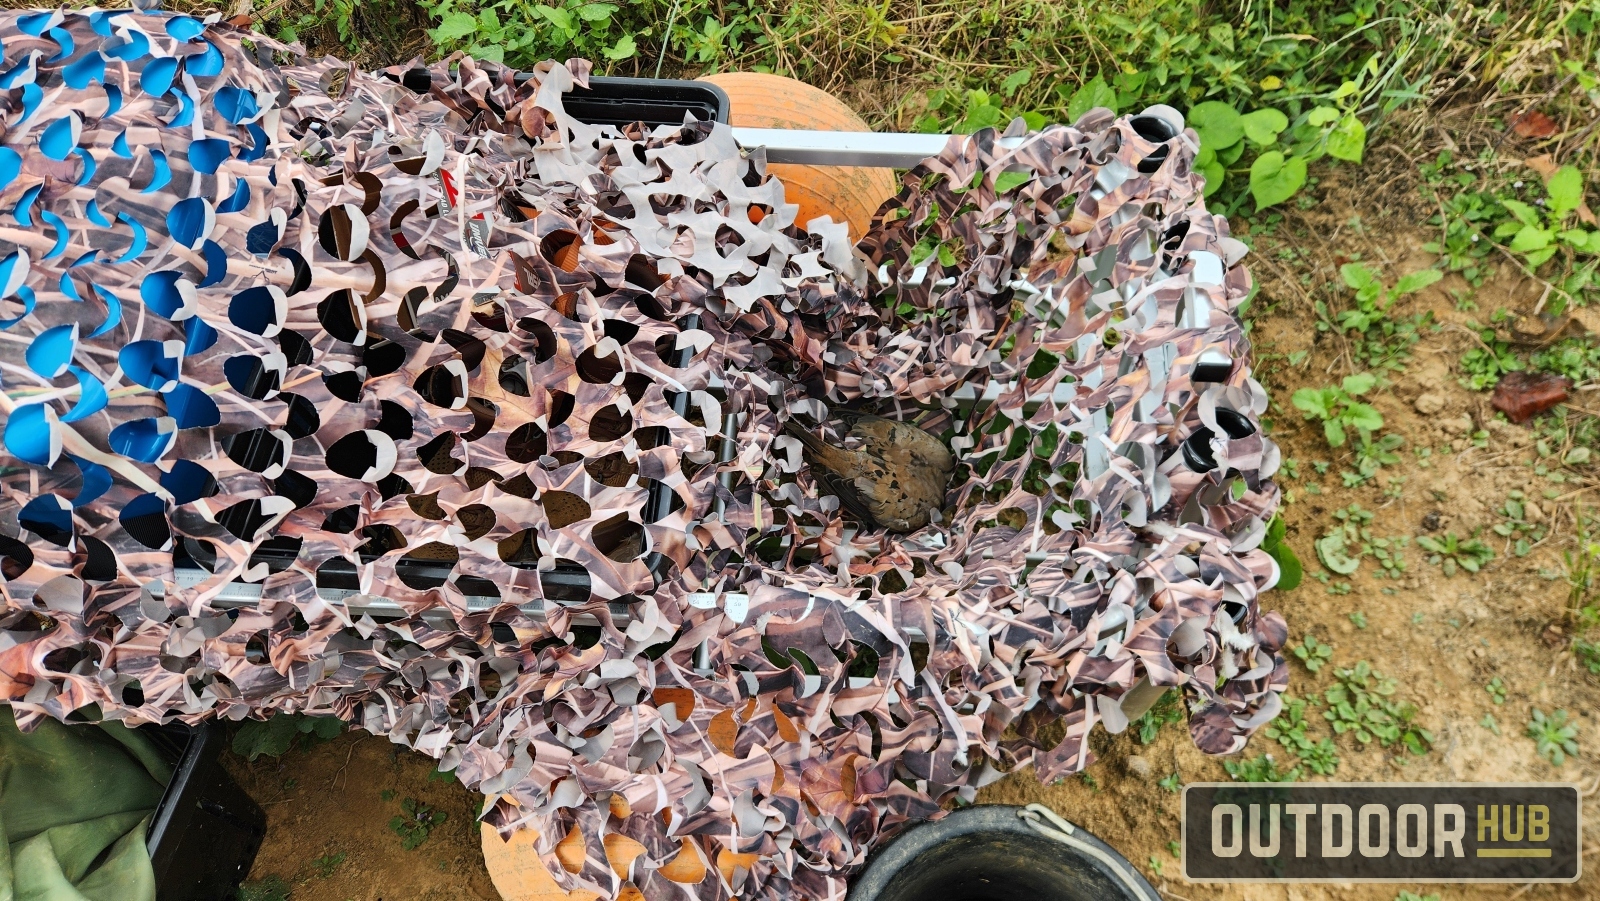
264 312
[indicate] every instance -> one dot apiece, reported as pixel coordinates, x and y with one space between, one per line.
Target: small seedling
1359 619
1409 896
1172 782
1091 781
1259 769
1337 408
1175 849
271 888
1588 655
1554 737
1320 756
1313 653
1361 704
387 795
1496 689
415 822
1167 709
1156 865
327 863
1489 722
1450 552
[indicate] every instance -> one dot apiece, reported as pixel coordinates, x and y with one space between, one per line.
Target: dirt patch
338 799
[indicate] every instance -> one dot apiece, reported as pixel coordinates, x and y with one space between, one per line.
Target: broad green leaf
454 26
1334 432
560 18
1043 363
1566 191
1412 282
1010 181
494 53
1345 90
1312 401
1016 80
1576 238
1525 214
1274 179
1321 116
1276 530
1217 123
1358 384
623 49
1262 126
1363 417
1095 92
1335 556
1222 36
1205 157
1356 275
1214 175
1290 572
1537 258
596 12
1227 156
1530 238
1035 120
1348 139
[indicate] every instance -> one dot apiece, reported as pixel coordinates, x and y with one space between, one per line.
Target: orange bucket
847 193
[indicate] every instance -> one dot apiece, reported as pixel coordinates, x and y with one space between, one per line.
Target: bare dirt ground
1443 639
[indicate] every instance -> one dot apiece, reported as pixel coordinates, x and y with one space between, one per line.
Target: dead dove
891 475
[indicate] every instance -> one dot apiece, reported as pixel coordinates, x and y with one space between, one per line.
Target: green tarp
74 804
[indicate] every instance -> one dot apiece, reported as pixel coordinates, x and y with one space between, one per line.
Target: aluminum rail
848 148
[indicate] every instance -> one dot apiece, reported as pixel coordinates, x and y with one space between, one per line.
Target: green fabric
74 804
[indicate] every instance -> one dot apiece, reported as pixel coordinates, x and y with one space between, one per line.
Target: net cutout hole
527 443
443 385
614 470
619 538
521 549
477 520
427 566
610 424
563 508
344 317
599 370
567 583
437 456
543 338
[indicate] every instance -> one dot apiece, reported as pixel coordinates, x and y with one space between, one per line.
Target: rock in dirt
1138 766
1457 426
1524 395
1428 404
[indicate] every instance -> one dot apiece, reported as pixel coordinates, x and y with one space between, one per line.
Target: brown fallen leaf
1533 124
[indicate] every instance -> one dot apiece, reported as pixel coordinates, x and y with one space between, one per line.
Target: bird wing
834 470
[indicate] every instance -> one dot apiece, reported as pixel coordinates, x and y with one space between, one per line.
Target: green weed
277 735
270 888
1312 653
1260 769
1379 339
1338 409
1554 738
415 822
1167 709
328 863
1450 552
1362 704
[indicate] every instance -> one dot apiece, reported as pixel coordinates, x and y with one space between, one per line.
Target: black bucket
1000 853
